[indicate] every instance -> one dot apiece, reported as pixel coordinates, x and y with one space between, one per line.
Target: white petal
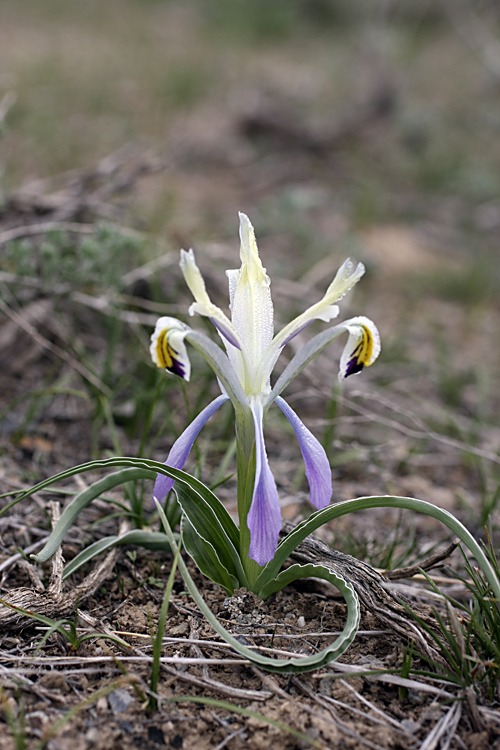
362 348
251 304
326 309
203 305
167 348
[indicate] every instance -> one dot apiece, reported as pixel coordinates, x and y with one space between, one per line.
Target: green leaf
152 540
206 558
198 513
207 520
296 664
80 502
194 493
160 630
292 540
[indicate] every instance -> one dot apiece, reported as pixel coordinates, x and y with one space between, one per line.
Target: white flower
244 371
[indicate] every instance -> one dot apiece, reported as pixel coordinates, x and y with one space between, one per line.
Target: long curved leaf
206 522
127 462
305 664
80 502
152 540
206 557
315 520
145 469
185 496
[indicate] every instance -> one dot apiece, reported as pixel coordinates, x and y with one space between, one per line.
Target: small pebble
102 705
119 700
181 629
325 687
301 622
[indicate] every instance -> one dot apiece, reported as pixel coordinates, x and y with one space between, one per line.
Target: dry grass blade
385 717
48 346
392 679
339 724
442 734
220 687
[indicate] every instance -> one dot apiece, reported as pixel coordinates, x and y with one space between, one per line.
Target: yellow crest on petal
362 348
168 349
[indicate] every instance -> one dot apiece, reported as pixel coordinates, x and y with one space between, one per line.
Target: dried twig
280 127
342 726
426 564
31 230
84 194
56 601
442 733
46 345
217 685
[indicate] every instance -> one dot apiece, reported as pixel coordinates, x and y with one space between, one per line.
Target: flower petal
250 296
264 516
320 341
181 448
167 347
362 348
203 304
326 309
318 471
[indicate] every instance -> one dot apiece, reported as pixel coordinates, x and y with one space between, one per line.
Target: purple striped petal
181 448
318 471
264 516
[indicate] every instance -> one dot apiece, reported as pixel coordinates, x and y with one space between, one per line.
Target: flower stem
245 463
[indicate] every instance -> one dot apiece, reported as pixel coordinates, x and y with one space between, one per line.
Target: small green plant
469 633
249 556
67 628
99 261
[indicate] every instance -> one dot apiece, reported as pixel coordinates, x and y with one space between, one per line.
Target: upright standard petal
318 471
362 348
180 450
167 348
251 304
264 516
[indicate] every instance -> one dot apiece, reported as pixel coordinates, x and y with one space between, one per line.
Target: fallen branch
374 591
56 601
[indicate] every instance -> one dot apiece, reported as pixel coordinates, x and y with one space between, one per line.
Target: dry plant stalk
374 589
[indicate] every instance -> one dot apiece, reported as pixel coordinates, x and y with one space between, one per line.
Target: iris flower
244 375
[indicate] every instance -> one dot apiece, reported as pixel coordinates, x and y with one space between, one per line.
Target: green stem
245 466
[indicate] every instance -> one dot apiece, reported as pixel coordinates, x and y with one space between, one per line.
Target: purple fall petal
182 447
264 516
318 472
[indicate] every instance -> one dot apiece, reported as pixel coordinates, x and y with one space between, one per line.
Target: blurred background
132 128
